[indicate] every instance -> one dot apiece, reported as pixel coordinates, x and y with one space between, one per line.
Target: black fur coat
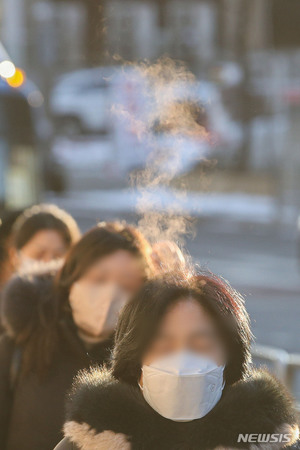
32 406
105 414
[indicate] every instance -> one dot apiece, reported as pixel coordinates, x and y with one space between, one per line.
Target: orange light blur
17 79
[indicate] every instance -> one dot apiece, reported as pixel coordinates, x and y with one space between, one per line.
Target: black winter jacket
104 414
31 407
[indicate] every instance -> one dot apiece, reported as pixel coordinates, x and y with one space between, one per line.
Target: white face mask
30 266
183 386
95 307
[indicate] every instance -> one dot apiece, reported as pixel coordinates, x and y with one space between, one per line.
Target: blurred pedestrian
181 377
41 234
35 240
56 327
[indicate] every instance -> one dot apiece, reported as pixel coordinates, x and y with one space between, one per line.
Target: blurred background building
250 50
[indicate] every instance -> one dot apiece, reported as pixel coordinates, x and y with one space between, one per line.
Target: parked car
194 122
127 108
80 101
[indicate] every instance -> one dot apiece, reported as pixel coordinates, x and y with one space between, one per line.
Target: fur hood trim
103 413
27 304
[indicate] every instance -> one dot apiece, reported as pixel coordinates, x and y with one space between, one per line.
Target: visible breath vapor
162 217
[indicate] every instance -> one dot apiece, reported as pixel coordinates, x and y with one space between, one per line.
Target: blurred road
262 264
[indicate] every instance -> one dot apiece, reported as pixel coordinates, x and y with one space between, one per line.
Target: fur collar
103 413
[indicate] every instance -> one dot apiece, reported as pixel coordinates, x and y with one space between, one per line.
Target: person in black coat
181 378
30 239
57 325
34 237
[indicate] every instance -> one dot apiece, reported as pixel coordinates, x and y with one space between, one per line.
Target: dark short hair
141 317
44 217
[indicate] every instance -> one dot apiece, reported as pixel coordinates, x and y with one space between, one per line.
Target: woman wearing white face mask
42 234
181 377
55 327
35 241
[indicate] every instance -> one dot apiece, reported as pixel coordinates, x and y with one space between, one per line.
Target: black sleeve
65 444
26 302
6 352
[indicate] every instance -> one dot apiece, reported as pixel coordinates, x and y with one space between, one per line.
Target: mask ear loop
141 387
224 382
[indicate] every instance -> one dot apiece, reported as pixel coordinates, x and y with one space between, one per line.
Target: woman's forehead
120 259
46 238
187 313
